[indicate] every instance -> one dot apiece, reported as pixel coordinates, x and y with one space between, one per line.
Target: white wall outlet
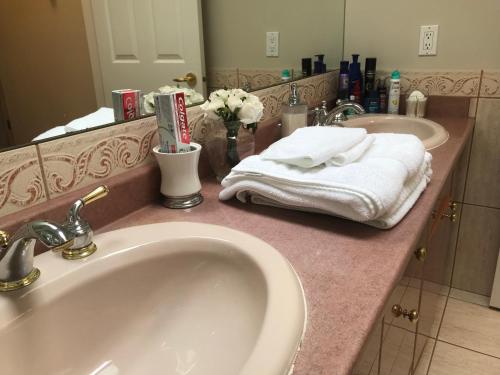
272 44
428 40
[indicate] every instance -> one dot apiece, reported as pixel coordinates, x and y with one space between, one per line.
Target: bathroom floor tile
471 326
452 360
469 297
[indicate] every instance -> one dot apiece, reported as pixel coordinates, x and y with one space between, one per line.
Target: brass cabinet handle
189 78
95 194
4 238
421 254
411 315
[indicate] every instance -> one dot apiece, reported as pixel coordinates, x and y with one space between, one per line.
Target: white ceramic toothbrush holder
180 184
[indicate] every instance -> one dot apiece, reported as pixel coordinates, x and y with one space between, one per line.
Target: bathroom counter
347 269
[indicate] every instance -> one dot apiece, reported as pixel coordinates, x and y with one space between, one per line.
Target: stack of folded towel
370 178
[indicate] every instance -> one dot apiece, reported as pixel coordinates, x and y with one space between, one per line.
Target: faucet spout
17 252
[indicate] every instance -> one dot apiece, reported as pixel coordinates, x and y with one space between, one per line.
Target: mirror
61 60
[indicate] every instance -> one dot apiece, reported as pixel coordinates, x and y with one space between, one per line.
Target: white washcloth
352 154
102 116
268 194
311 146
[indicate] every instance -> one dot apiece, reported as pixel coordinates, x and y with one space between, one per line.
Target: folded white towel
360 191
102 116
54 132
311 146
259 192
352 154
406 148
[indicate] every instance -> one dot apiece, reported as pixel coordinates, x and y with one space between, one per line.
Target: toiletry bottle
394 93
343 90
370 69
306 67
382 97
372 103
293 113
319 64
285 75
355 79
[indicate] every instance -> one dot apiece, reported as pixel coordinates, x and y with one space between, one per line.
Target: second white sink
429 132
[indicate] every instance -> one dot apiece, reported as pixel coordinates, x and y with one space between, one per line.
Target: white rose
219 94
195 97
239 93
210 107
251 111
149 102
234 102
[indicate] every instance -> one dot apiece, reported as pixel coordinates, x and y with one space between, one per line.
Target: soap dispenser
293 113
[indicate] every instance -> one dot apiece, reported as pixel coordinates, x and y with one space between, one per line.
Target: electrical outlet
428 40
272 44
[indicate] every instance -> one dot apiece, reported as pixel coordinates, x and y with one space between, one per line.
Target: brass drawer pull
411 315
421 254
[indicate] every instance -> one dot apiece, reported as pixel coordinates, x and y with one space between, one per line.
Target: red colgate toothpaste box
126 104
173 127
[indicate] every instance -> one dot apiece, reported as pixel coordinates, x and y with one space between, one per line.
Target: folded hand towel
352 154
100 117
260 192
359 191
312 146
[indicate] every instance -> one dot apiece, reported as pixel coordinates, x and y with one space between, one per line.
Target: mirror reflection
74 65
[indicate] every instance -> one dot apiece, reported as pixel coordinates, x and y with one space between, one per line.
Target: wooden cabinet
396 345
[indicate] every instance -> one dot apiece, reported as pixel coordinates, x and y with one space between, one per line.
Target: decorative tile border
457 83
74 162
490 84
259 78
218 78
21 180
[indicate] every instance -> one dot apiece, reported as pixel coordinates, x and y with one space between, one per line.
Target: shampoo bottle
343 90
293 113
355 79
394 93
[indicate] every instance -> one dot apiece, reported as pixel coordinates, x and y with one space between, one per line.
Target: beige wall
235 32
45 66
469 32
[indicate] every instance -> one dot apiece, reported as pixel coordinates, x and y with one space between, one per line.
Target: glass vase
227 143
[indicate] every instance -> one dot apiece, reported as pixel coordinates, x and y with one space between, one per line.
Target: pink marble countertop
348 270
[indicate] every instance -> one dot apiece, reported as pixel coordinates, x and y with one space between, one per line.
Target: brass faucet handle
411 315
95 194
4 238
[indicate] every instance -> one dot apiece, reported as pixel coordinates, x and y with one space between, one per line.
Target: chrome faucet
336 116
74 239
17 252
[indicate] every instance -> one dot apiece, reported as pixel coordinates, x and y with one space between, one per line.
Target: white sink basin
430 133
172 298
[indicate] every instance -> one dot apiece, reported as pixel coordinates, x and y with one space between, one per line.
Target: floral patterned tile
490 84
331 85
272 98
74 162
259 78
222 77
312 90
450 83
21 180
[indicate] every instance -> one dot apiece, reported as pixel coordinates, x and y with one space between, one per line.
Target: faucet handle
83 245
97 193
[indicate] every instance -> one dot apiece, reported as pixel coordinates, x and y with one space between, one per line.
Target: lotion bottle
293 113
394 93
